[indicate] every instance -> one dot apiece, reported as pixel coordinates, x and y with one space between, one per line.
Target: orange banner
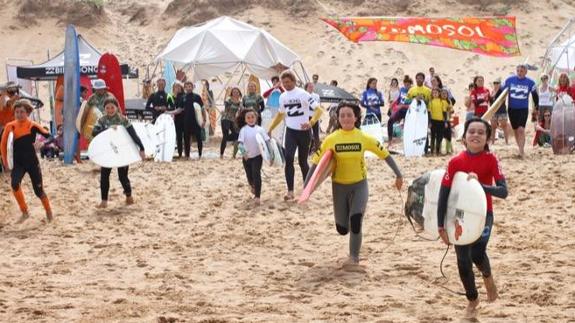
494 36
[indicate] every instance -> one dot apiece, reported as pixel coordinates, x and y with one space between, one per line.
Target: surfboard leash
445 276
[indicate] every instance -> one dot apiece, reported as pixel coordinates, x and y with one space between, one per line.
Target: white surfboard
466 208
278 133
263 147
113 148
278 159
198 113
10 150
374 129
146 132
166 133
415 129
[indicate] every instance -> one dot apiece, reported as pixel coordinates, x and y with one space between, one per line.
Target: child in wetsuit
481 165
24 156
249 149
112 118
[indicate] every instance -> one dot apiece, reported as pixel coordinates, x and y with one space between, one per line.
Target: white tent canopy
560 53
223 45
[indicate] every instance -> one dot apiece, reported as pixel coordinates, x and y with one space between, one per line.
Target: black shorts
518 117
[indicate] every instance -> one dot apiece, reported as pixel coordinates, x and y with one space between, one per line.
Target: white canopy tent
560 54
225 45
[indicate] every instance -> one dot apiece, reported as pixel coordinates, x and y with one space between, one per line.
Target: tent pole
52 112
226 85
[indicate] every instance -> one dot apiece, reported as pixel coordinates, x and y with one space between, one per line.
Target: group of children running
349 178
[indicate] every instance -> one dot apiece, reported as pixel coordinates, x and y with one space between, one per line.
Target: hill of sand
191 249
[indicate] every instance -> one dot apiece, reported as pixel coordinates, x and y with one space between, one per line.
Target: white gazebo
225 45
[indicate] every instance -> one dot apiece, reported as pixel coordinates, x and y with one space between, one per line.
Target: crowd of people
299 109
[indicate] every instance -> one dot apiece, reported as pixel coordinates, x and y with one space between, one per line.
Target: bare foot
288 196
24 217
221 156
129 200
352 265
471 310
102 205
49 216
257 201
491 289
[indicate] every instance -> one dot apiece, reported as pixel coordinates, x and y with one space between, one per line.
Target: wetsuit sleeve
535 96
391 163
498 190
442 205
135 137
150 100
3 148
375 147
261 104
444 192
38 129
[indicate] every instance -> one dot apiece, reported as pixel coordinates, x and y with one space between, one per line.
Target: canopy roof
51 69
224 44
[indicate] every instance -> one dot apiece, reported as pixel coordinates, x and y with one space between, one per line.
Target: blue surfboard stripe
71 93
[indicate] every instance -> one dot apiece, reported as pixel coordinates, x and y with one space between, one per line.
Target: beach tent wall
560 54
225 45
50 70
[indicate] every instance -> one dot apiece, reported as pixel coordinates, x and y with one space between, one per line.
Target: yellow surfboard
496 105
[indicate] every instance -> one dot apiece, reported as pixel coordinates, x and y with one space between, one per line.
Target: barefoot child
248 146
483 166
349 179
24 158
112 119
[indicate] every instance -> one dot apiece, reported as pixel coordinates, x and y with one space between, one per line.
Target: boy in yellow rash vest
349 179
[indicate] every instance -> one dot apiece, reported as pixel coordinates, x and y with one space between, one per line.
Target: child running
349 179
483 166
249 149
25 159
112 119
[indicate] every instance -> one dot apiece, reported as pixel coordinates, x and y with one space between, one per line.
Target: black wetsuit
191 126
157 99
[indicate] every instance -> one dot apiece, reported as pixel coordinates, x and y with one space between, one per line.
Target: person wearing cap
100 95
499 119
25 159
7 99
520 86
158 101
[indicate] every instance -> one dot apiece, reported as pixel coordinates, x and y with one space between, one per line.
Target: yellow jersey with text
348 148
